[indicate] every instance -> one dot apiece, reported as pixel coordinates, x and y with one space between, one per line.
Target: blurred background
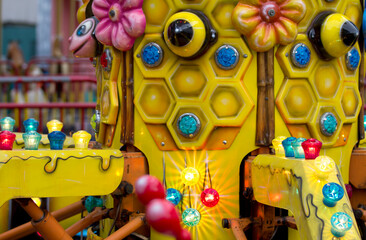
39 77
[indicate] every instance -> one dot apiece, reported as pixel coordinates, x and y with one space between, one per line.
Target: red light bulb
311 148
6 140
210 197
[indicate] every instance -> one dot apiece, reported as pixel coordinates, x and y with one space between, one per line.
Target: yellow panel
296 185
55 173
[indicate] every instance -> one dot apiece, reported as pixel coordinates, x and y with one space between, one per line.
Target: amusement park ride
249 112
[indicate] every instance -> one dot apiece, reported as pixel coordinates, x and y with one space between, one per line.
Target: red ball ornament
210 197
148 188
184 235
163 217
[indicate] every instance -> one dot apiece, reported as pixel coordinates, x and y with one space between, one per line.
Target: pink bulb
311 148
163 217
148 188
210 197
184 235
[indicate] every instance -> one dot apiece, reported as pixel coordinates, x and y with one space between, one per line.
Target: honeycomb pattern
283 55
179 86
188 82
316 89
168 59
350 102
296 101
220 16
156 12
312 9
314 124
229 104
326 80
154 101
245 57
205 129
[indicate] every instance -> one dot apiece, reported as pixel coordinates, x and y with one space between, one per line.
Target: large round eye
332 35
84 28
189 34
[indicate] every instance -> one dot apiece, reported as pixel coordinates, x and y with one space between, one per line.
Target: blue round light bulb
173 196
332 193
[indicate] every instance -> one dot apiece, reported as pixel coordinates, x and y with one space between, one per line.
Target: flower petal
286 31
251 2
103 31
121 40
100 8
263 38
294 10
131 4
245 18
134 22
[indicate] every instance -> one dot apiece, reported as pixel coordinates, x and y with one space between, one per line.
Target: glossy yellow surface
56 173
330 35
198 38
295 184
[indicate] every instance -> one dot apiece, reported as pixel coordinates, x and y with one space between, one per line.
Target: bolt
245 55
162 144
138 55
224 142
271 12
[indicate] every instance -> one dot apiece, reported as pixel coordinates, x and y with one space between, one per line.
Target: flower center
114 12
270 12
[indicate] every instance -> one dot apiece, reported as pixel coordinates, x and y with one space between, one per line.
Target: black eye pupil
81 30
180 32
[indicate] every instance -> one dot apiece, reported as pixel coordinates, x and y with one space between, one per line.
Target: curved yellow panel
154 101
296 101
326 80
56 173
220 16
156 12
296 185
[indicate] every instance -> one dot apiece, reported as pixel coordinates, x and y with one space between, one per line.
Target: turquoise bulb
289 151
298 150
191 217
31 140
7 124
341 223
30 125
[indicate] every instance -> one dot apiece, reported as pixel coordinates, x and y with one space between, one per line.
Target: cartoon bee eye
332 35
84 29
189 34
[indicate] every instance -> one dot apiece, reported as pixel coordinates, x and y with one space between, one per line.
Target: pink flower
121 22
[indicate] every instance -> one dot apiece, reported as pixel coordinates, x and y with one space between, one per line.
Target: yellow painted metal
330 37
4 217
296 185
56 173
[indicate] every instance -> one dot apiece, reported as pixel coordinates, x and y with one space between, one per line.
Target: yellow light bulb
277 145
81 139
37 201
54 125
190 176
324 166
